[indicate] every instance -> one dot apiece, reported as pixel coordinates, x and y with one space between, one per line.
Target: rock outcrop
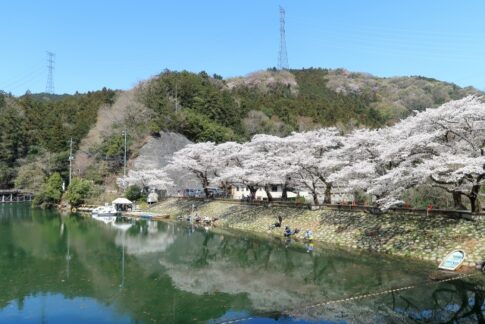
156 154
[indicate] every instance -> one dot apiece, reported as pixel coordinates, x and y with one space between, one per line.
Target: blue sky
119 43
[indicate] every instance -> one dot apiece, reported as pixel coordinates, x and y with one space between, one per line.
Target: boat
453 260
105 211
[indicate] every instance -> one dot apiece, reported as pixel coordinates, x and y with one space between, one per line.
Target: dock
14 196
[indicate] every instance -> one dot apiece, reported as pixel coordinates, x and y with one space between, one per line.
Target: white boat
105 211
453 260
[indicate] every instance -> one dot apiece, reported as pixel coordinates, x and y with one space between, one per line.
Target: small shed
122 204
152 197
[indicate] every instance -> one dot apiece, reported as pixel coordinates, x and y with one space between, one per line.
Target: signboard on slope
453 260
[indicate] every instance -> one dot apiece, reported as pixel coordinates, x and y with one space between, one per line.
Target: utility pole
71 157
124 133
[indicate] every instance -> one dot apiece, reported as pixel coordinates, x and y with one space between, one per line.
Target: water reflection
163 272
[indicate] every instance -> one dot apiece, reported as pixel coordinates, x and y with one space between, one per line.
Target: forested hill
35 128
279 102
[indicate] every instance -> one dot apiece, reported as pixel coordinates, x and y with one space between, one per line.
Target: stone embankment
424 237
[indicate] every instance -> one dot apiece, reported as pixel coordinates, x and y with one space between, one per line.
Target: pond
67 268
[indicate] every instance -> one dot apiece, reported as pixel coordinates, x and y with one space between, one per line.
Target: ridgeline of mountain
35 128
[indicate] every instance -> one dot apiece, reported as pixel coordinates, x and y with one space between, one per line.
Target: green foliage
7 174
207 110
133 193
112 151
13 135
78 191
51 123
361 197
30 177
422 196
201 128
50 193
97 173
41 125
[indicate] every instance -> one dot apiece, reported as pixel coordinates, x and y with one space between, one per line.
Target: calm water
65 268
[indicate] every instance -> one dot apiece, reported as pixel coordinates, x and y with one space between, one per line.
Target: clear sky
116 43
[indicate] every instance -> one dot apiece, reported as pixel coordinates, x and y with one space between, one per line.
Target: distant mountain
43 96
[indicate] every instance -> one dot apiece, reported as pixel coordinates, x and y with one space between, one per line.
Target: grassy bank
428 238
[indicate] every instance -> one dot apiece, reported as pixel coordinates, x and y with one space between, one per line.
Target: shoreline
414 236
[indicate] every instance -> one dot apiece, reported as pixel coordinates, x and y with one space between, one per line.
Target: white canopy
121 201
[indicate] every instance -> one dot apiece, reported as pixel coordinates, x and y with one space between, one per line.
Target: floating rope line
236 320
300 310
374 294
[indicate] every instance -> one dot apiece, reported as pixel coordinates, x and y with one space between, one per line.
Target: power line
283 55
36 70
49 88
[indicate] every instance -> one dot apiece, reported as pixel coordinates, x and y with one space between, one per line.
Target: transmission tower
49 88
283 55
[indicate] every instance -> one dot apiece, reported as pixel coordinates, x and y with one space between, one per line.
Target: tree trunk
267 189
205 184
457 202
252 191
315 195
284 194
474 202
315 198
328 193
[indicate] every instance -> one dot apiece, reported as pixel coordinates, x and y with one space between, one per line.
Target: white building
241 191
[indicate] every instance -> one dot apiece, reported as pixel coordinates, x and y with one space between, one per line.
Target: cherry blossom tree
262 162
205 160
443 145
315 154
146 179
195 158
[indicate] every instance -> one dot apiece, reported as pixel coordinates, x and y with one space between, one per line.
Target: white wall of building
238 192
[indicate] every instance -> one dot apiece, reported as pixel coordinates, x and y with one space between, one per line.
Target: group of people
288 232
247 198
198 219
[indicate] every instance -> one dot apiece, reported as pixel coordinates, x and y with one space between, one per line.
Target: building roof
121 201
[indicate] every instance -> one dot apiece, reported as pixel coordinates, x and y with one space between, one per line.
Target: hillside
35 128
279 102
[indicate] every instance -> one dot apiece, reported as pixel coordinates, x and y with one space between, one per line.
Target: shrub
133 193
79 190
50 193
